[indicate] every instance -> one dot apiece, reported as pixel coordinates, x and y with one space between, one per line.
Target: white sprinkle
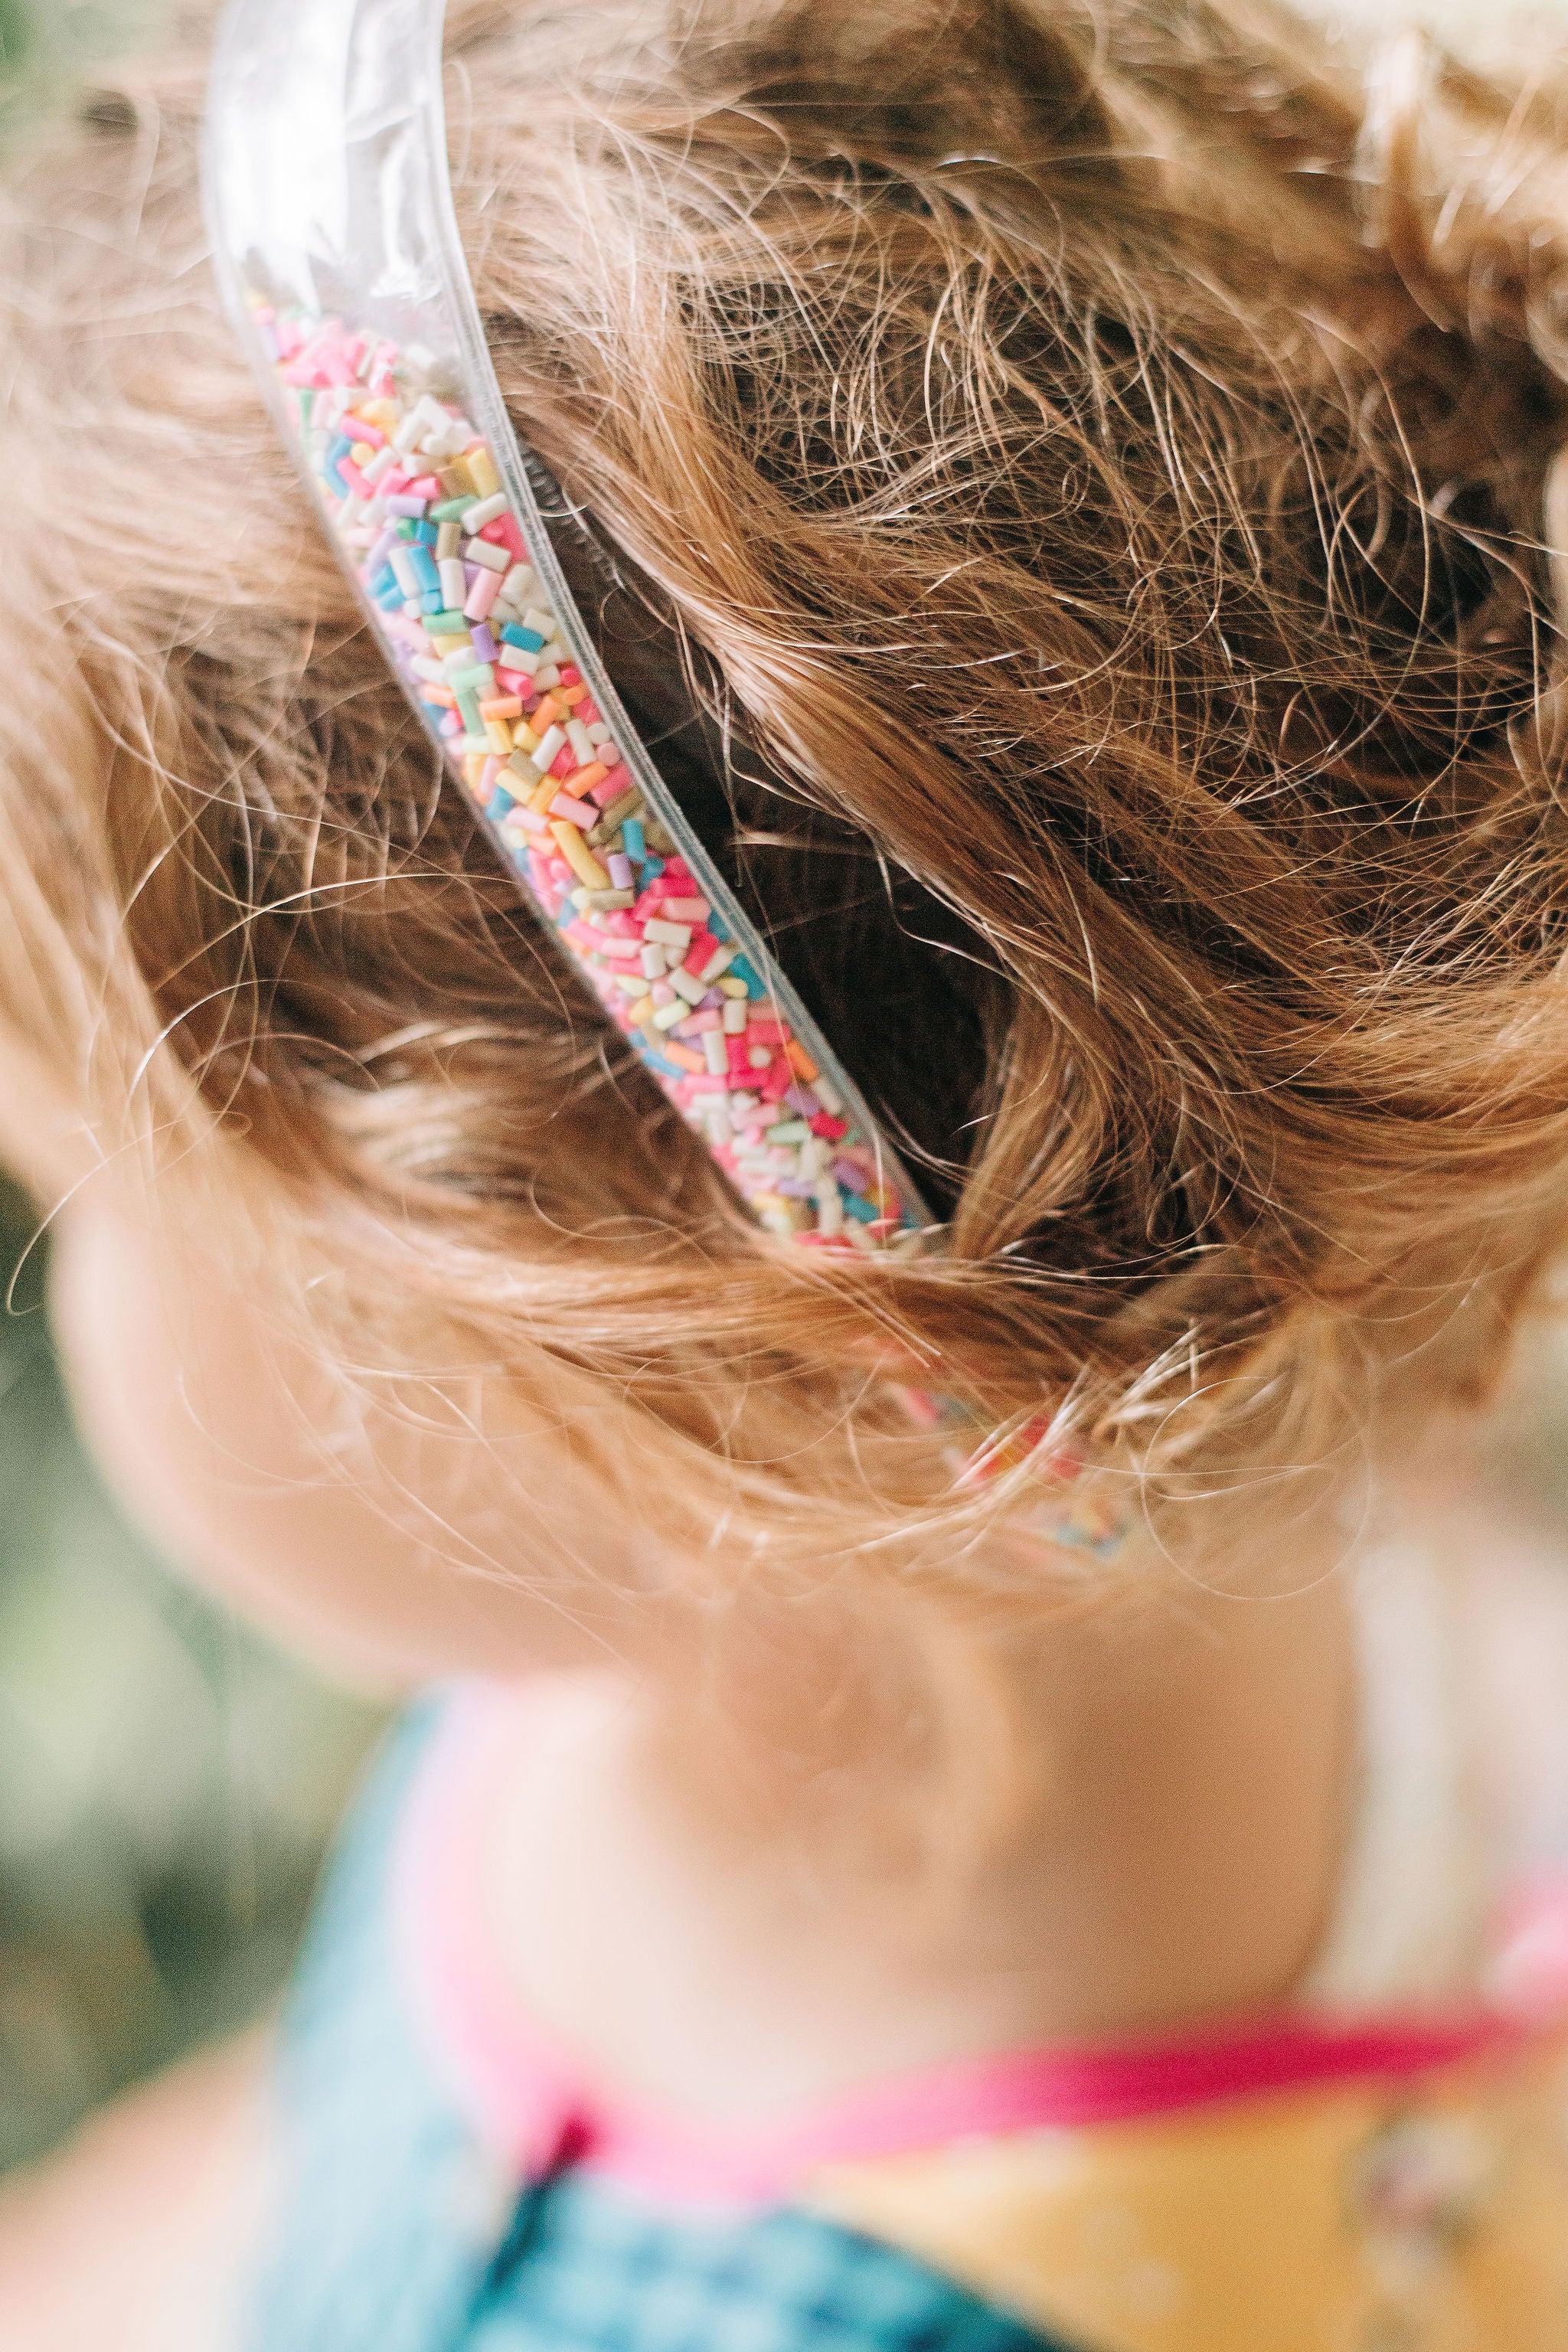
485 551
581 741
713 1052
669 935
653 962
685 983
488 510
734 1016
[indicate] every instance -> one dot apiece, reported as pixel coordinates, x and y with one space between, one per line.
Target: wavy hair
1097 465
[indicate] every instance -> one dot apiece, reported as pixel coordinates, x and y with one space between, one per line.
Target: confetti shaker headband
331 209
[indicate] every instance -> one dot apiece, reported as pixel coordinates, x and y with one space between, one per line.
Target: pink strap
536 2104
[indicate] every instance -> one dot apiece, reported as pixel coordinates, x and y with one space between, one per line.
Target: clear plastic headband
329 205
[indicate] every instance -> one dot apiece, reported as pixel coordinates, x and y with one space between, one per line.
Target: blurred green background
167 1781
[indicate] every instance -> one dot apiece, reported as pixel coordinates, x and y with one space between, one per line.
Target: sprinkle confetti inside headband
331 209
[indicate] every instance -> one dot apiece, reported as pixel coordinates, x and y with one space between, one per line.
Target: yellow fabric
1357 2217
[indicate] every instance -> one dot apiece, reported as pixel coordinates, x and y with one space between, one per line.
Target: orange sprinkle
800 1062
681 1055
583 783
505 706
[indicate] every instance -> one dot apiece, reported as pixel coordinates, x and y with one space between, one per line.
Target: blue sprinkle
718 926
385 579
652 868
424 564
632 841
529 639
743 970
334 479
500 800
432 603
863 1211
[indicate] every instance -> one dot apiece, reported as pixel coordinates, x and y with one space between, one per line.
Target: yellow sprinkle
642 1010
500 734
578 856
482 473
523 735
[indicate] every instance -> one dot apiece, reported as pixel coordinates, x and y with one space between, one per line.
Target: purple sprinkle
485 644
380 552
402 504
620 868
852 1178
274 348
451 724
471 572
793 1188
804 1099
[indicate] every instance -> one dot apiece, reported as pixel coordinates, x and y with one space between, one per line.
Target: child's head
1115 434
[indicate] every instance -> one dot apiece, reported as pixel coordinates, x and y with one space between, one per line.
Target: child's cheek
179 1387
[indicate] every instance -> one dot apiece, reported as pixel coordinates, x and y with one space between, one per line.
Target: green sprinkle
452 509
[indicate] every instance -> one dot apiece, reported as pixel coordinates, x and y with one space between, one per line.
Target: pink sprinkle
564 764
354 479
619 780
688 910
372 434
574 811
504 532
482 595
662 993
428 486
570 676
512 682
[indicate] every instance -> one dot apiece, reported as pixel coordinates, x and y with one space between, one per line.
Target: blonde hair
1093 461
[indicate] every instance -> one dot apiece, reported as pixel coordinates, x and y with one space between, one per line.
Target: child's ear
923 82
